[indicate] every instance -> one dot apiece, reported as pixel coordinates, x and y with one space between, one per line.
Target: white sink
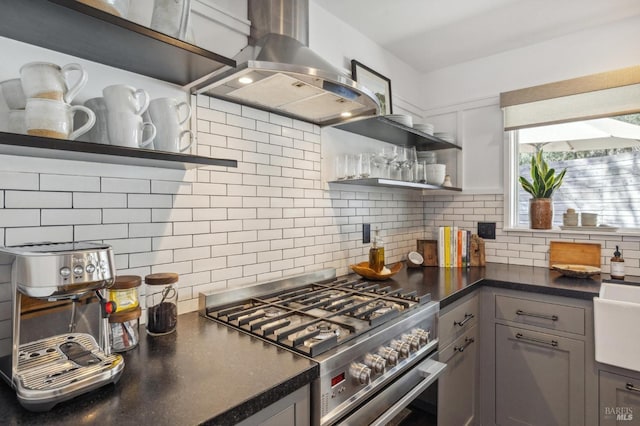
616 319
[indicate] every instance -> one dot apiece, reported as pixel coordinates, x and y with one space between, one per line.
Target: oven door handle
430 370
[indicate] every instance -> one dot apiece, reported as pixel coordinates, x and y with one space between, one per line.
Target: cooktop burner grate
317 317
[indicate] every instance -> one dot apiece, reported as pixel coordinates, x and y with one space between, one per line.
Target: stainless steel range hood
277 71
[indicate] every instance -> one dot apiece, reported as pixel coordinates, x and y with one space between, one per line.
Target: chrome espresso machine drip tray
63 363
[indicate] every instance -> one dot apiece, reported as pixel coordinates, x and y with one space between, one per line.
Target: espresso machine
54 342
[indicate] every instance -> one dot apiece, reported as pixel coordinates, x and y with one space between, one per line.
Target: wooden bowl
576 271
363 270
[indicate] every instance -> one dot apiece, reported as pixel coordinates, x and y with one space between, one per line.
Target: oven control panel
373 362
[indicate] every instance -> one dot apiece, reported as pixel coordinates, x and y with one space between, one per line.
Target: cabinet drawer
541 314
457 320
461 346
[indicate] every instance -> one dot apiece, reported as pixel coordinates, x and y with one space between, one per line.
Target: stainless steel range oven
376 344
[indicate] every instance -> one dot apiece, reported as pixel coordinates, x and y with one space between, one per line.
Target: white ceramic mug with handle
49 81
169 115
99 132
54 119
126 129
123 98
13 94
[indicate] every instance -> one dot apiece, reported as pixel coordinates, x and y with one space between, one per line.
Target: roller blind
598 95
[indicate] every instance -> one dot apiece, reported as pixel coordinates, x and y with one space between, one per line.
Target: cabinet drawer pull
466 319
520 336
467 342
531 314
630 387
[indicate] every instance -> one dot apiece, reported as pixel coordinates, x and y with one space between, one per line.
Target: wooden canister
429 251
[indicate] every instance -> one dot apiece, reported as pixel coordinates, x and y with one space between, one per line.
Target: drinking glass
341 167
378 165
364 165
409 166
352 166
400 163
389 154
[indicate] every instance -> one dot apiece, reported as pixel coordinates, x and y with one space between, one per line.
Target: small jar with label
162 303
124 329
125 292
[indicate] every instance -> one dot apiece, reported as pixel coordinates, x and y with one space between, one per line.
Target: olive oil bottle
376 253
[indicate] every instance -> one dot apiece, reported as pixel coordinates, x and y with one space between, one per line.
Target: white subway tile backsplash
225 106
274 129
70 216
37 199
69 183
19 181
126 185
148 200
10 218
99 232
191 228
172 215
91 200
125 215
174 242
256 114
54 234
130 245
150 229
150 258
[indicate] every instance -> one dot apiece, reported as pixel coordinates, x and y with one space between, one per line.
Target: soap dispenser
376 253
617 265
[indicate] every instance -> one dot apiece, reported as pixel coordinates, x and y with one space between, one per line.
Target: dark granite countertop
209 373
446 285
203 373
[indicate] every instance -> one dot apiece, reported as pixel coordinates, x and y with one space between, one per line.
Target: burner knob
375 362
412 340
403 348
390 354
360 372
422 335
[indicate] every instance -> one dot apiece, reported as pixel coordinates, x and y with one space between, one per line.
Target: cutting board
561 252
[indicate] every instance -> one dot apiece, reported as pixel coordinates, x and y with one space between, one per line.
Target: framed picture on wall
375 82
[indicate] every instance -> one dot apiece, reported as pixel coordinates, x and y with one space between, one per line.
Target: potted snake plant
544 182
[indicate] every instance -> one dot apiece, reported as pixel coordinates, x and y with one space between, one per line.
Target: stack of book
453 247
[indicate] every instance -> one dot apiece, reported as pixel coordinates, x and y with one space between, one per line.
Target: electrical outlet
366 233
487 230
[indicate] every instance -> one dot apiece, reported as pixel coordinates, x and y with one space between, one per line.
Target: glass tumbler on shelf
341 167
162 303
409 167
419 173
351 161
364 165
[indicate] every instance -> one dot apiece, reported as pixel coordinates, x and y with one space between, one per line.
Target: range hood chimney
278 72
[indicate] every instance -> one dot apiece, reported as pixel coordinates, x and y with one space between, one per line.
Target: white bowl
435 173
405 120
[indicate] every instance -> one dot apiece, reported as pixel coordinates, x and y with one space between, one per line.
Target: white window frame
531 106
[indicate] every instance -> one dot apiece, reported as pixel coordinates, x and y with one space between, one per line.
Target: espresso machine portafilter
54 342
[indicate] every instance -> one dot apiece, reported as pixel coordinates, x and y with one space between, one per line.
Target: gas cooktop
317 317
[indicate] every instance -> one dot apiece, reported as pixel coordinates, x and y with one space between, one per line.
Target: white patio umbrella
600 133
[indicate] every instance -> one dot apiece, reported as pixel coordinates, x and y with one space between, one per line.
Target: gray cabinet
458 341
619 401
292 410
539 378
457 387
537 363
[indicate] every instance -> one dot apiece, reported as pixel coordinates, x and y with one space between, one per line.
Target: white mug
98 133
13 94
165 114
16 121
126 129
54 119
115 7
123 98
49 81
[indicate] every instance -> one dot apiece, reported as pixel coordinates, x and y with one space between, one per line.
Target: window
594 133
